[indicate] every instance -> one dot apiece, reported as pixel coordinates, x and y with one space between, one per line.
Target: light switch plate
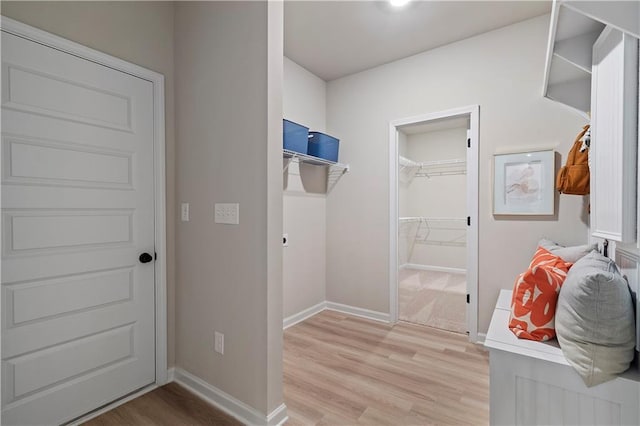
184 212
227 213
218 344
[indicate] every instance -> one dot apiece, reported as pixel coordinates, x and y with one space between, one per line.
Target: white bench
531 383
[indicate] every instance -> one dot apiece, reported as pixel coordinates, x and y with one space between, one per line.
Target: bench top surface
500 337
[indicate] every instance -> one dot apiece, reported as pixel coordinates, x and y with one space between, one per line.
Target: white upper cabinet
622 15
614 136
568 73
575 25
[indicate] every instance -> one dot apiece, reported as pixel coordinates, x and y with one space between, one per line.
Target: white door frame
30 33
473 112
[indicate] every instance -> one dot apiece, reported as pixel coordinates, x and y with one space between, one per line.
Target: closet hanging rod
432 219
443 162
405 162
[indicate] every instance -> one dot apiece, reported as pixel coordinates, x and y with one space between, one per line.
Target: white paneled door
77 217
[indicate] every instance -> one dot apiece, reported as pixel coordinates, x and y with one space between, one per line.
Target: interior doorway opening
433 220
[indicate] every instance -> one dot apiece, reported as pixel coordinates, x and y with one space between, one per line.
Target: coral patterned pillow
535 294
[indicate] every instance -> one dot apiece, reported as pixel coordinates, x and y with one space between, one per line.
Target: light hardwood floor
345 370
169 405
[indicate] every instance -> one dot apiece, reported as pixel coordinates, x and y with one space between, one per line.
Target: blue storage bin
295 137
323 146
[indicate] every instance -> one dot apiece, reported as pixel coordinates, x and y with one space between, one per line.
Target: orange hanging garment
574 176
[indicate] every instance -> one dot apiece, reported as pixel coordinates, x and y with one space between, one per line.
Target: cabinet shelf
577 50
334 170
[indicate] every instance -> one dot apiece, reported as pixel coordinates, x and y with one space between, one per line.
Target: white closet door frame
30 33
473 112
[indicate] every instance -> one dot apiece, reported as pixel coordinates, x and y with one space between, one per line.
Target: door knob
145 258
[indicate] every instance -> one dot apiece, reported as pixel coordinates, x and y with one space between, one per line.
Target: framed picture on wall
523 183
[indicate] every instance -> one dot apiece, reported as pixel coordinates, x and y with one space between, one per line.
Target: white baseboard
303 315
171 375
359 312
481 338
338 307
433 268
227 403
278 416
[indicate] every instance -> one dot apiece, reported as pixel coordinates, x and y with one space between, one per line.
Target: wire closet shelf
437 231
334 170
411 169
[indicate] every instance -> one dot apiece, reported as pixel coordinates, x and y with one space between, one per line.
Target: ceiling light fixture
399 3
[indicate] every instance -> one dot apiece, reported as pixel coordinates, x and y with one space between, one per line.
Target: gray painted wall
228 128
304 267
501 71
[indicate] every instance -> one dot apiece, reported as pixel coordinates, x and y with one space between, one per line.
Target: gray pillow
569 254
595 322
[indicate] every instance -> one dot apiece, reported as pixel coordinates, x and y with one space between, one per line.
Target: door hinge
468 220
468 143
468 298
155 255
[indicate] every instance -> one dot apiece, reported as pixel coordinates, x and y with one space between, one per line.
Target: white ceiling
337 38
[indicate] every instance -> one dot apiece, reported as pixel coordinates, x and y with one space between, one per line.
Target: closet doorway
434 215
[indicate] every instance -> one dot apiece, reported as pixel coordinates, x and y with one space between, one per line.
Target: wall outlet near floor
218 345
228 213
